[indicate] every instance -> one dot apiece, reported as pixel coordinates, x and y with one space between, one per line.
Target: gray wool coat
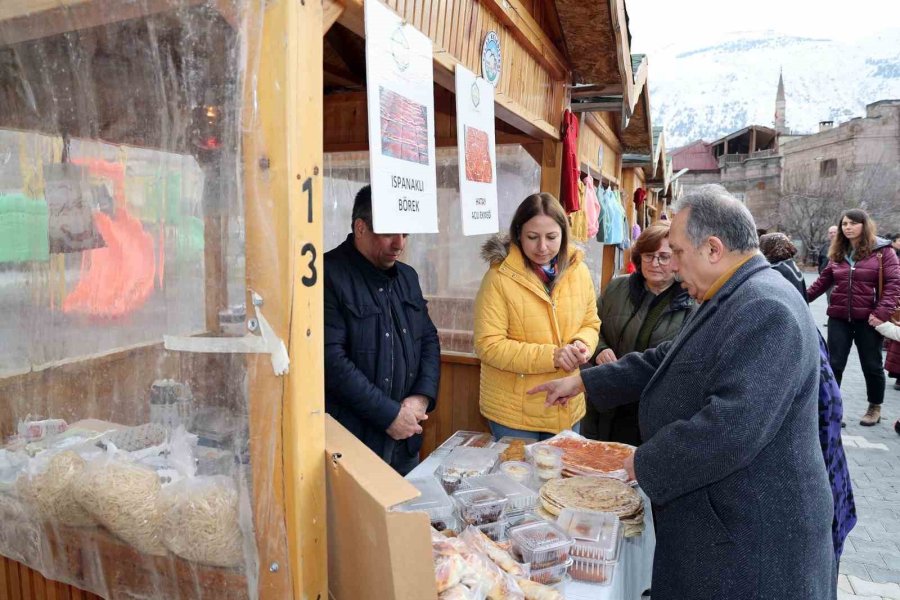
731 458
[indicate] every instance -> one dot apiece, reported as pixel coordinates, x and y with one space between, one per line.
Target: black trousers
841 335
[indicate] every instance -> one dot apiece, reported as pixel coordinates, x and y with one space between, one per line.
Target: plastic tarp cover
125 469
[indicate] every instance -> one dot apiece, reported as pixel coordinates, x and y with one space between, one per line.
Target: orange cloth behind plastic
117 279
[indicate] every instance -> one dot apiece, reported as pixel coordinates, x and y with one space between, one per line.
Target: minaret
779 107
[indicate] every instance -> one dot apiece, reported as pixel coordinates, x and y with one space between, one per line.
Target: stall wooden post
282 165
551 167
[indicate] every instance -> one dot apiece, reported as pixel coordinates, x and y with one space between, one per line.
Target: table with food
518 519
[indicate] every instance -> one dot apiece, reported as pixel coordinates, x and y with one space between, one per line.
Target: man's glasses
662 259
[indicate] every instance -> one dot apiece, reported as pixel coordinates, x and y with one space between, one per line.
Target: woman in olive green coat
637 312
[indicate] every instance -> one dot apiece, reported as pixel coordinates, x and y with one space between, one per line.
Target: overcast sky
656 23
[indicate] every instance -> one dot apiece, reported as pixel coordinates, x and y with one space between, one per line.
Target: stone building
746 162
854 163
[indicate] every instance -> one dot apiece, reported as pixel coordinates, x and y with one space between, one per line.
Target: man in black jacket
382 354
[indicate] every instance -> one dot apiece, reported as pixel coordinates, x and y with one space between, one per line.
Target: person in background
779 251
637 312
535 320
891 331
731 458
823 259
858 262
823 251
382 354
895 243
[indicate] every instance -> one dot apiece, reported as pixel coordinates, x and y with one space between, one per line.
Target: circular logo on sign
476 94
400 48
491 58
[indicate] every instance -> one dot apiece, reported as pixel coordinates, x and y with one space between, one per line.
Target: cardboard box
373 553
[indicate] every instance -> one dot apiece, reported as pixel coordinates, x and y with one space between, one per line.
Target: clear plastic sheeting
125 469
449 265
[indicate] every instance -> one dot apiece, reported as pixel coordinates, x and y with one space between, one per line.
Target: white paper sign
477 153
400 84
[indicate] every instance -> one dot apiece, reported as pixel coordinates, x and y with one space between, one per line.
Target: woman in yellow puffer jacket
535 320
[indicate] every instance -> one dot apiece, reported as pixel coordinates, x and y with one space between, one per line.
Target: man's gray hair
715 212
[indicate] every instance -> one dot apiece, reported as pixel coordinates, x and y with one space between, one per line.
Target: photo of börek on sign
404 128
478 158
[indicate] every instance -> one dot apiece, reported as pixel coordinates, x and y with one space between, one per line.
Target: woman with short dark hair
780 251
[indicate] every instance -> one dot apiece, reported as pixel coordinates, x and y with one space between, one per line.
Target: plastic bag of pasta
49 490
200 521
123 497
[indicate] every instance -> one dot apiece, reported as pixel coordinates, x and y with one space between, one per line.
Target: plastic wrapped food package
479 506
434 501
124 497
467 462
51 493
200 521
518 471
592 571
541 544
552 575
598 536
518 497
465 439
547 461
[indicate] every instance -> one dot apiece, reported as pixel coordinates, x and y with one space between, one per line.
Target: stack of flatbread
588 457
597 494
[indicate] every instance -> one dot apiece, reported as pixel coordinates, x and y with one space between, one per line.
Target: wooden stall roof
637 135
589 26
652 164
530 94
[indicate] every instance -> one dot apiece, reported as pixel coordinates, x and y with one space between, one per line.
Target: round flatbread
591 493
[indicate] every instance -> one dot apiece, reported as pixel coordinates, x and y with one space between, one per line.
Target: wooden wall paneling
14 587
457 408
525 109
4 579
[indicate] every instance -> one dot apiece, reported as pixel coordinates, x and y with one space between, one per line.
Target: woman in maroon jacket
856 258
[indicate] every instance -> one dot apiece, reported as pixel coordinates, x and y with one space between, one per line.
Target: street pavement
870 565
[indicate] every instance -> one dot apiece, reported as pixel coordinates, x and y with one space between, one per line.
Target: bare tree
811 202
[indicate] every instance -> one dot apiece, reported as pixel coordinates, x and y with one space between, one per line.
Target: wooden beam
283 172
623 50
331 12
527 31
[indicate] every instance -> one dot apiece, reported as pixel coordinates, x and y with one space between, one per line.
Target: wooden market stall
285 104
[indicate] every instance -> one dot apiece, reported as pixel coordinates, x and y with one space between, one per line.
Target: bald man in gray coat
728 411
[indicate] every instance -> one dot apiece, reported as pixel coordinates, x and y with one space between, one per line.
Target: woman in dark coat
779 251
637 312
859 260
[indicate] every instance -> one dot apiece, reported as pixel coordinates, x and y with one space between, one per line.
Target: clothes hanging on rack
578 223
570 167
640 195
591 206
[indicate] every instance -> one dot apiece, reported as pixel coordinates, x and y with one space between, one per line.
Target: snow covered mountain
711 90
